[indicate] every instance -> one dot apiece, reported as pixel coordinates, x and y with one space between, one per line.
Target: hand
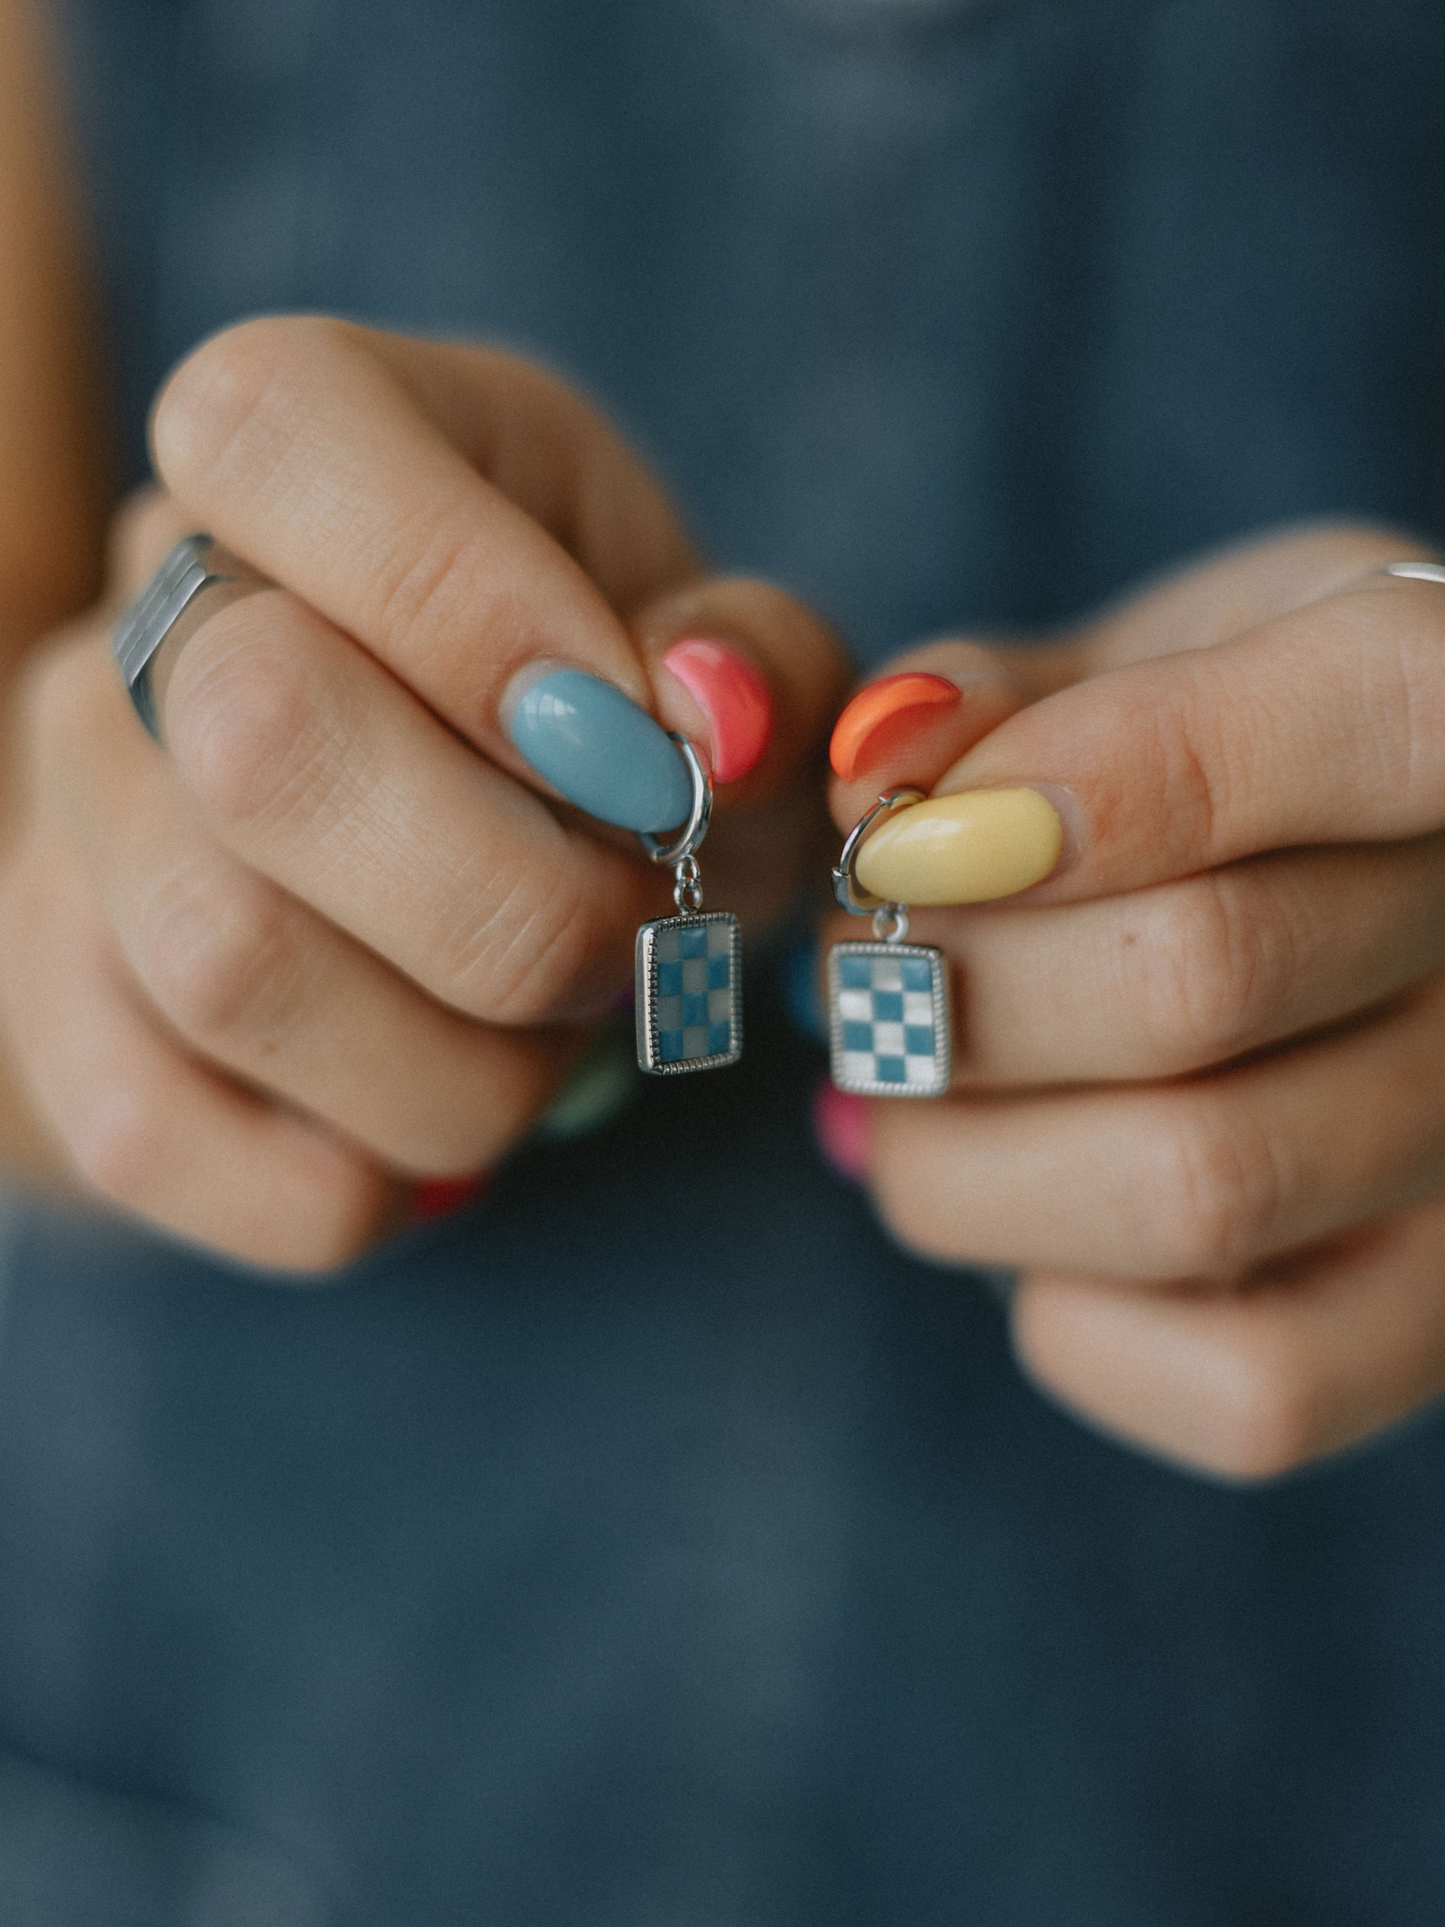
1200 1069
331 939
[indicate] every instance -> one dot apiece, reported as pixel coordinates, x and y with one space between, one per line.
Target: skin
330 940
1197 1098
337 939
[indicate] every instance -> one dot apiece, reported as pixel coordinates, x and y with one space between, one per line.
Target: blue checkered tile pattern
695 991
886 1020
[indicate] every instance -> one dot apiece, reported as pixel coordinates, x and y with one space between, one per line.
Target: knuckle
232 400
1220 1192
431 572
1218 963
523 957
117 1142
220 956
247 729
1274 1417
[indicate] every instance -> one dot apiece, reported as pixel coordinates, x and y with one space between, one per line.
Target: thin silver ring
845 882
1415 571
195 564
698 817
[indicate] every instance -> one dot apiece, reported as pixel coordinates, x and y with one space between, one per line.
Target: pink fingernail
841 1126
733 697
439 1197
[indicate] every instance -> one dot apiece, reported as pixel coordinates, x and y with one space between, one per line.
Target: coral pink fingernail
733 697
841 1126
881 717
439 1197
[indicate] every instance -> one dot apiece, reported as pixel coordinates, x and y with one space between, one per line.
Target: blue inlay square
669 1046
855 973
892 1070
857 1037
719 972
692 943
669 979
918 1040
888 1006
720 1036
917 973
694 1009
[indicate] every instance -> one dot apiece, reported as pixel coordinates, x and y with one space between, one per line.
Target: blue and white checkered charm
888 1019
689 993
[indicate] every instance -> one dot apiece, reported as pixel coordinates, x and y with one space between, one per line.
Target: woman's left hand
1199 1094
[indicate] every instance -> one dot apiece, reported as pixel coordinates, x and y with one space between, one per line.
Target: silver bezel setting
649 1053
942 1021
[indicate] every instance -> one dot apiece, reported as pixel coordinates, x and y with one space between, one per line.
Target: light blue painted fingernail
601 751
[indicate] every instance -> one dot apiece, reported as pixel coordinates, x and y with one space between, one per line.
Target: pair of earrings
888 1005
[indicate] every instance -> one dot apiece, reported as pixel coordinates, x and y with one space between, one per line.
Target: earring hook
699 816
845 881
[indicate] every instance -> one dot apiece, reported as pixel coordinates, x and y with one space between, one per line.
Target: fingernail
840 1124
439 1197
883 716
967 848
733 697
600 751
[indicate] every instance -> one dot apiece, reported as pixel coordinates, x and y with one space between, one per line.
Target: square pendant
888 1019
689 993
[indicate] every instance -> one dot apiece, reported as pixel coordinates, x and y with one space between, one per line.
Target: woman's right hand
338 935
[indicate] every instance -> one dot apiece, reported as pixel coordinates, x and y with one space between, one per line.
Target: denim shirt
656 1542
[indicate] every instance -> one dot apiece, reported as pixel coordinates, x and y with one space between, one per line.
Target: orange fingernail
883 716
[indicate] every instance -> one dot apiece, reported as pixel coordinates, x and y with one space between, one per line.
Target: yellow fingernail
967 848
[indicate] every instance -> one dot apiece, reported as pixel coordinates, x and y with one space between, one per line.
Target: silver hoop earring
889 1020
689 967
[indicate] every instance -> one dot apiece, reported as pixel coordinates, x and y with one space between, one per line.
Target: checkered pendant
689 993
888 1019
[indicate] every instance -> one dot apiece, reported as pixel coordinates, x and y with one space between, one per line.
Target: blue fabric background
592 1560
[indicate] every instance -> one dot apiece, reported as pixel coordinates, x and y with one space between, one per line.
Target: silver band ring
1416 571
195 564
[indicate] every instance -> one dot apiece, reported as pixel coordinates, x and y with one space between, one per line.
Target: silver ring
699 816
194 564
845 883
1416 571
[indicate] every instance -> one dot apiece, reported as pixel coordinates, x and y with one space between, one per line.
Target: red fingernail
733 697
439 1197
882 717
842 1127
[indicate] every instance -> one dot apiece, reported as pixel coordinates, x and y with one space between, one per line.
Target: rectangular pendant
888 1019
689 993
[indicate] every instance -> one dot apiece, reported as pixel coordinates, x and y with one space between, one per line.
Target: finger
255 981
1186 975
1311 1356
1324 725
317 768
747 671
1219 595
1191 1179
149 1128
473 523
912 723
